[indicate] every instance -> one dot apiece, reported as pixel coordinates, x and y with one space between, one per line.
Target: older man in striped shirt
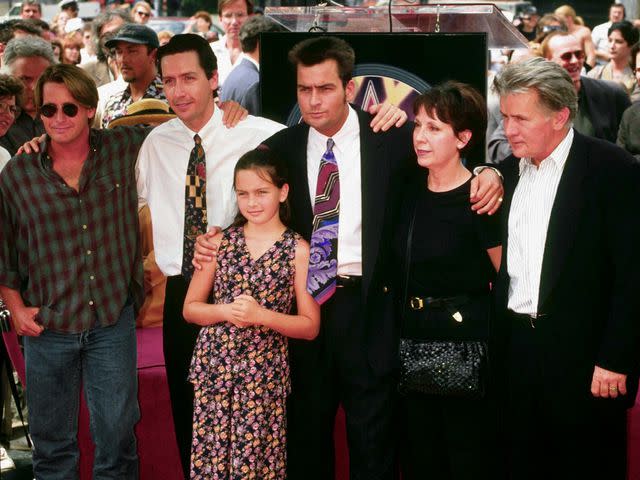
567 285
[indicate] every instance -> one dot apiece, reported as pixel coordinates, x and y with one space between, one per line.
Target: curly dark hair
11 87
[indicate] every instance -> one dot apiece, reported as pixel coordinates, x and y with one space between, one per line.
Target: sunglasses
49 110
566 57
143 14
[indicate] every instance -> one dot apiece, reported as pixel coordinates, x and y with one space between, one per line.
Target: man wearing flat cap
135 49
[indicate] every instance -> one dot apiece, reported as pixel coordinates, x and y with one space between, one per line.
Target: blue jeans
104 361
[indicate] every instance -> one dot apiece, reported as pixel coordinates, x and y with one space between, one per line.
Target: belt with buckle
348 281
418 303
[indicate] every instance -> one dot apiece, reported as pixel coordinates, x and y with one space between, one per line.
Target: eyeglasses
49 110
143 14
566 57
10 109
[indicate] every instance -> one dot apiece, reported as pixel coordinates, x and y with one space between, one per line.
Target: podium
432 18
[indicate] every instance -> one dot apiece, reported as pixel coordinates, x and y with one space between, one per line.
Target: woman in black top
453 257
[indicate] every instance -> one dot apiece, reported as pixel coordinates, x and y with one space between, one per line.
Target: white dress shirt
347 153
528 223
5 156
600 38
223 57
162 168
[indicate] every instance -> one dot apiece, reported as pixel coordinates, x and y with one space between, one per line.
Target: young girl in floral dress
240 369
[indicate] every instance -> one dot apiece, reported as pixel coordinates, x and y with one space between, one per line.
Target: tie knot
330 144
196 138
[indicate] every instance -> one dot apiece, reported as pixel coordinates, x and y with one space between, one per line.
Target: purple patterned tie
195 207
323 261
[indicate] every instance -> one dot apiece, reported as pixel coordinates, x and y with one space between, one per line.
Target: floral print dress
241 375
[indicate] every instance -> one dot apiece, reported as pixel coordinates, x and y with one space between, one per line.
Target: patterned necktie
195 204
323 261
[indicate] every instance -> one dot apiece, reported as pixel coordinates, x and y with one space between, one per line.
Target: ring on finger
613 388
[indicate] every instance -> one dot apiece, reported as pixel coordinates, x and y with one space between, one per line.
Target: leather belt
419 303
348 281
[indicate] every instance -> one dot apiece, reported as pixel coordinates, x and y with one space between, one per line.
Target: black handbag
454 368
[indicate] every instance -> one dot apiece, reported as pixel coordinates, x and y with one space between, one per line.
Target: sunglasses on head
49 110
566 57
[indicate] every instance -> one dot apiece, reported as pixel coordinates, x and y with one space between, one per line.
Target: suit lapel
300 201
374 171
565 217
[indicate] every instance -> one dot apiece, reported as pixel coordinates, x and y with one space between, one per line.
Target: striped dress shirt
528 223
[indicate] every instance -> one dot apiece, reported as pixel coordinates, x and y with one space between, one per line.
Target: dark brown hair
319 49
461 106
269 167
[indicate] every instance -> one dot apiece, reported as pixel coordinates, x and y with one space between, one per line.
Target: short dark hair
251 29
190 42
313 51
627 30
11 87
271 168
459 105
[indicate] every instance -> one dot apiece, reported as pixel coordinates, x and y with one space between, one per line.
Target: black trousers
334 369
449 438
179 338
585 438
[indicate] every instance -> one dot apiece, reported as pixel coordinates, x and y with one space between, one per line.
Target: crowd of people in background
114 114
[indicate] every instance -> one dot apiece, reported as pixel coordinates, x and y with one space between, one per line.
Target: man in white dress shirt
188 69
600 33
566 291
233 13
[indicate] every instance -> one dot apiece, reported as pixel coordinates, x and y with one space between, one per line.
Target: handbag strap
407 255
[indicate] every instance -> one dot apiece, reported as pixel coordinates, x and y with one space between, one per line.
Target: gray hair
550 80
27 47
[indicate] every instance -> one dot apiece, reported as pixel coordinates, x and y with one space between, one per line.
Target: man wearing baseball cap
135 48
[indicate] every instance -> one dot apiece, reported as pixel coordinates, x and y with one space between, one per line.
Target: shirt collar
244 55
214 122
558 157
349 127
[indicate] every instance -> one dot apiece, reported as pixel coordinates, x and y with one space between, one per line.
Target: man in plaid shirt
71 275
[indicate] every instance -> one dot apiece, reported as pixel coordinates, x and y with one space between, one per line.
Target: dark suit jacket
606 101
240 86
590 271
386 158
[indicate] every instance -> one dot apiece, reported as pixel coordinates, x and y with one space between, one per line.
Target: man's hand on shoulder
386 116
205 248
32 146
232 113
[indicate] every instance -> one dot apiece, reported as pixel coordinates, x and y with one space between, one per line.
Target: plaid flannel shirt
74 254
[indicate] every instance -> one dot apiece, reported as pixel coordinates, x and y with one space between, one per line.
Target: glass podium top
432 18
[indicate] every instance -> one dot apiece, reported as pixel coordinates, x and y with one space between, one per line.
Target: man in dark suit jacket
242 84
567 288
600 103
353 359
